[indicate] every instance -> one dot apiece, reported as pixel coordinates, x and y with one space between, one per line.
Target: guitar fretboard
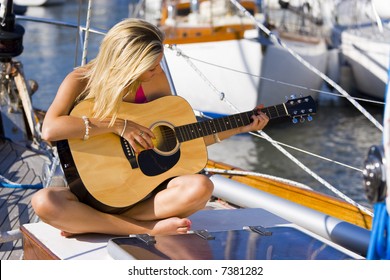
200 129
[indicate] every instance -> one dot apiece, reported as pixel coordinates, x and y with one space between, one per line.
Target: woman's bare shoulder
77 74
157 87
72 86
76 78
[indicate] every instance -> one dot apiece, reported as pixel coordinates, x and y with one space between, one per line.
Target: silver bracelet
87 127
216 138
124 128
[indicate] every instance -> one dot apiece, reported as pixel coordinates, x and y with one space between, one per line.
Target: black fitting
374 174
11 35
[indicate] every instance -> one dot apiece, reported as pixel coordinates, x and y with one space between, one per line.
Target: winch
11 34
374 174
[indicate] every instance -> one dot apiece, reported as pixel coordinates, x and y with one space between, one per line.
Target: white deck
94 246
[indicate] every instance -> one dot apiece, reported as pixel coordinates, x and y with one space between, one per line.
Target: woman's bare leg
183 196
61 209
160 215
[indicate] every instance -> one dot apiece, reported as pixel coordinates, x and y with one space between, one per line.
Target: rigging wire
257 174
312 154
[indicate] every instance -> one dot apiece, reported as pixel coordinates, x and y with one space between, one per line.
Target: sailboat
202 34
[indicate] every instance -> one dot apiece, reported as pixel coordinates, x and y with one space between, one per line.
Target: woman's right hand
137 135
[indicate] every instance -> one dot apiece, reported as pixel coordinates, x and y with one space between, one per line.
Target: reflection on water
338 131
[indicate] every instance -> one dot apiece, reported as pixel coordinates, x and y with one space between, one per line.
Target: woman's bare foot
66 234
172 225
167 226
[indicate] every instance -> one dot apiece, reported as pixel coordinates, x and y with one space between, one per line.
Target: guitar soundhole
166 141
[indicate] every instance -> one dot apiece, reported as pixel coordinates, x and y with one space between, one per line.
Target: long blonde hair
128 50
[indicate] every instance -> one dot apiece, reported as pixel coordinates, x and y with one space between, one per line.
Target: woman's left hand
258 123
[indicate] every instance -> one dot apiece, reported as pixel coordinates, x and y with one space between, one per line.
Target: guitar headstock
299 108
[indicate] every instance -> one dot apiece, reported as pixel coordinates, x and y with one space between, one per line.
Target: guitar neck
200 129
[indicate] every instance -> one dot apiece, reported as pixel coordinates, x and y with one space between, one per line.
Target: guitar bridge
129 153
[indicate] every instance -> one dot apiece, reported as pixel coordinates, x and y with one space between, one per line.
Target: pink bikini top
140 96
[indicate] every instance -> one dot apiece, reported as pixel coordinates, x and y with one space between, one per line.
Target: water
338 132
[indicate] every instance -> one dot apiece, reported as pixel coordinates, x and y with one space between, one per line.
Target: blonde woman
126 69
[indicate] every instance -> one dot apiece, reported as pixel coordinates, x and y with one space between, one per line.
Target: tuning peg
309 118
302 119
294 120
293 96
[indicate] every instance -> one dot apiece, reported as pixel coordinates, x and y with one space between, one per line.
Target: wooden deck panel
20 165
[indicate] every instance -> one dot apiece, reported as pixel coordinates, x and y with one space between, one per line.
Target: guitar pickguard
153 164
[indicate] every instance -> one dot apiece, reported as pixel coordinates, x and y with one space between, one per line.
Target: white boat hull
369 59
38 2
283 75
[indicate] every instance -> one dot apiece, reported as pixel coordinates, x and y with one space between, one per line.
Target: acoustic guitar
106 168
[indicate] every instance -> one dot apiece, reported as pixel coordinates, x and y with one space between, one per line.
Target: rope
43 149
386 138
5 183
377 17
379 247
10 235
277 40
